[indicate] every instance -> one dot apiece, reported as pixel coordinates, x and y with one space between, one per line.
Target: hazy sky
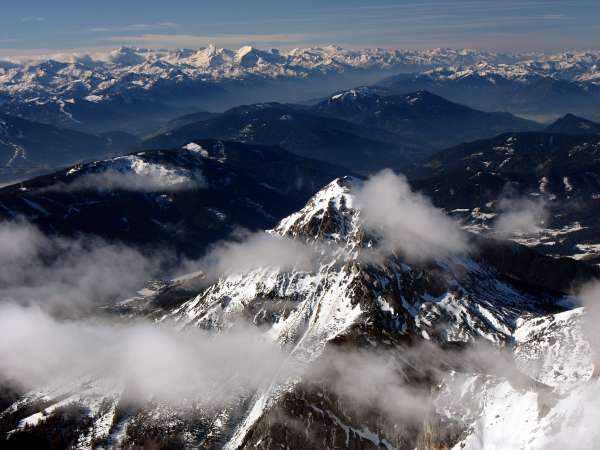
42 26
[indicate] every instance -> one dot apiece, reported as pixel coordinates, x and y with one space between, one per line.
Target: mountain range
537 89
182 198
379 354
298 130
95 92
361 129
430 120
304 249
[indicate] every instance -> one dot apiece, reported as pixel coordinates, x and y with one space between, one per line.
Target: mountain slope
30 148
571 124
420 116
519 88
187 119
100 92
554 176
184 198
360 149
411 326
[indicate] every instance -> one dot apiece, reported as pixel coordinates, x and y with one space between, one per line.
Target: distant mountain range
97 93
543 88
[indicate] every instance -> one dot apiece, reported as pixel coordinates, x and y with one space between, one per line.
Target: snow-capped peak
329 214
103 76
385 308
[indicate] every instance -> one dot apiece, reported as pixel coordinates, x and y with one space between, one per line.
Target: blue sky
45 26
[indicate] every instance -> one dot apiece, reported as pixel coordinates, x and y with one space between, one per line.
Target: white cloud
521 215
33 19
70 275
191 40
247 251
132 173
159 361
112 180
407 221
133 27
372 380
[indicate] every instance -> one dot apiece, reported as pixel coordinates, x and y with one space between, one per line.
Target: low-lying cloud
71 274
40 272
246 251
153 361
146 181
406 220
521 215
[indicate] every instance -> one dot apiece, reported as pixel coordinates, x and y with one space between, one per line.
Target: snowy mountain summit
393 336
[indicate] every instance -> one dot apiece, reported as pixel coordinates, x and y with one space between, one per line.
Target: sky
36 27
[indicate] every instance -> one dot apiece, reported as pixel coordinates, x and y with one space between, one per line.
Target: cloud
521 215
73 276
50 288
191 40
38 348
407 221
133 27
113 180
410 384
153 361
374 381
136 175
70 276
246 251
33 19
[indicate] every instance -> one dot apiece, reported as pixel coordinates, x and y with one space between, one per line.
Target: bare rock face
390 350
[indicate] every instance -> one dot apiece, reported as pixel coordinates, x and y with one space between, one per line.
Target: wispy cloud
134 27
33 19
192 40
